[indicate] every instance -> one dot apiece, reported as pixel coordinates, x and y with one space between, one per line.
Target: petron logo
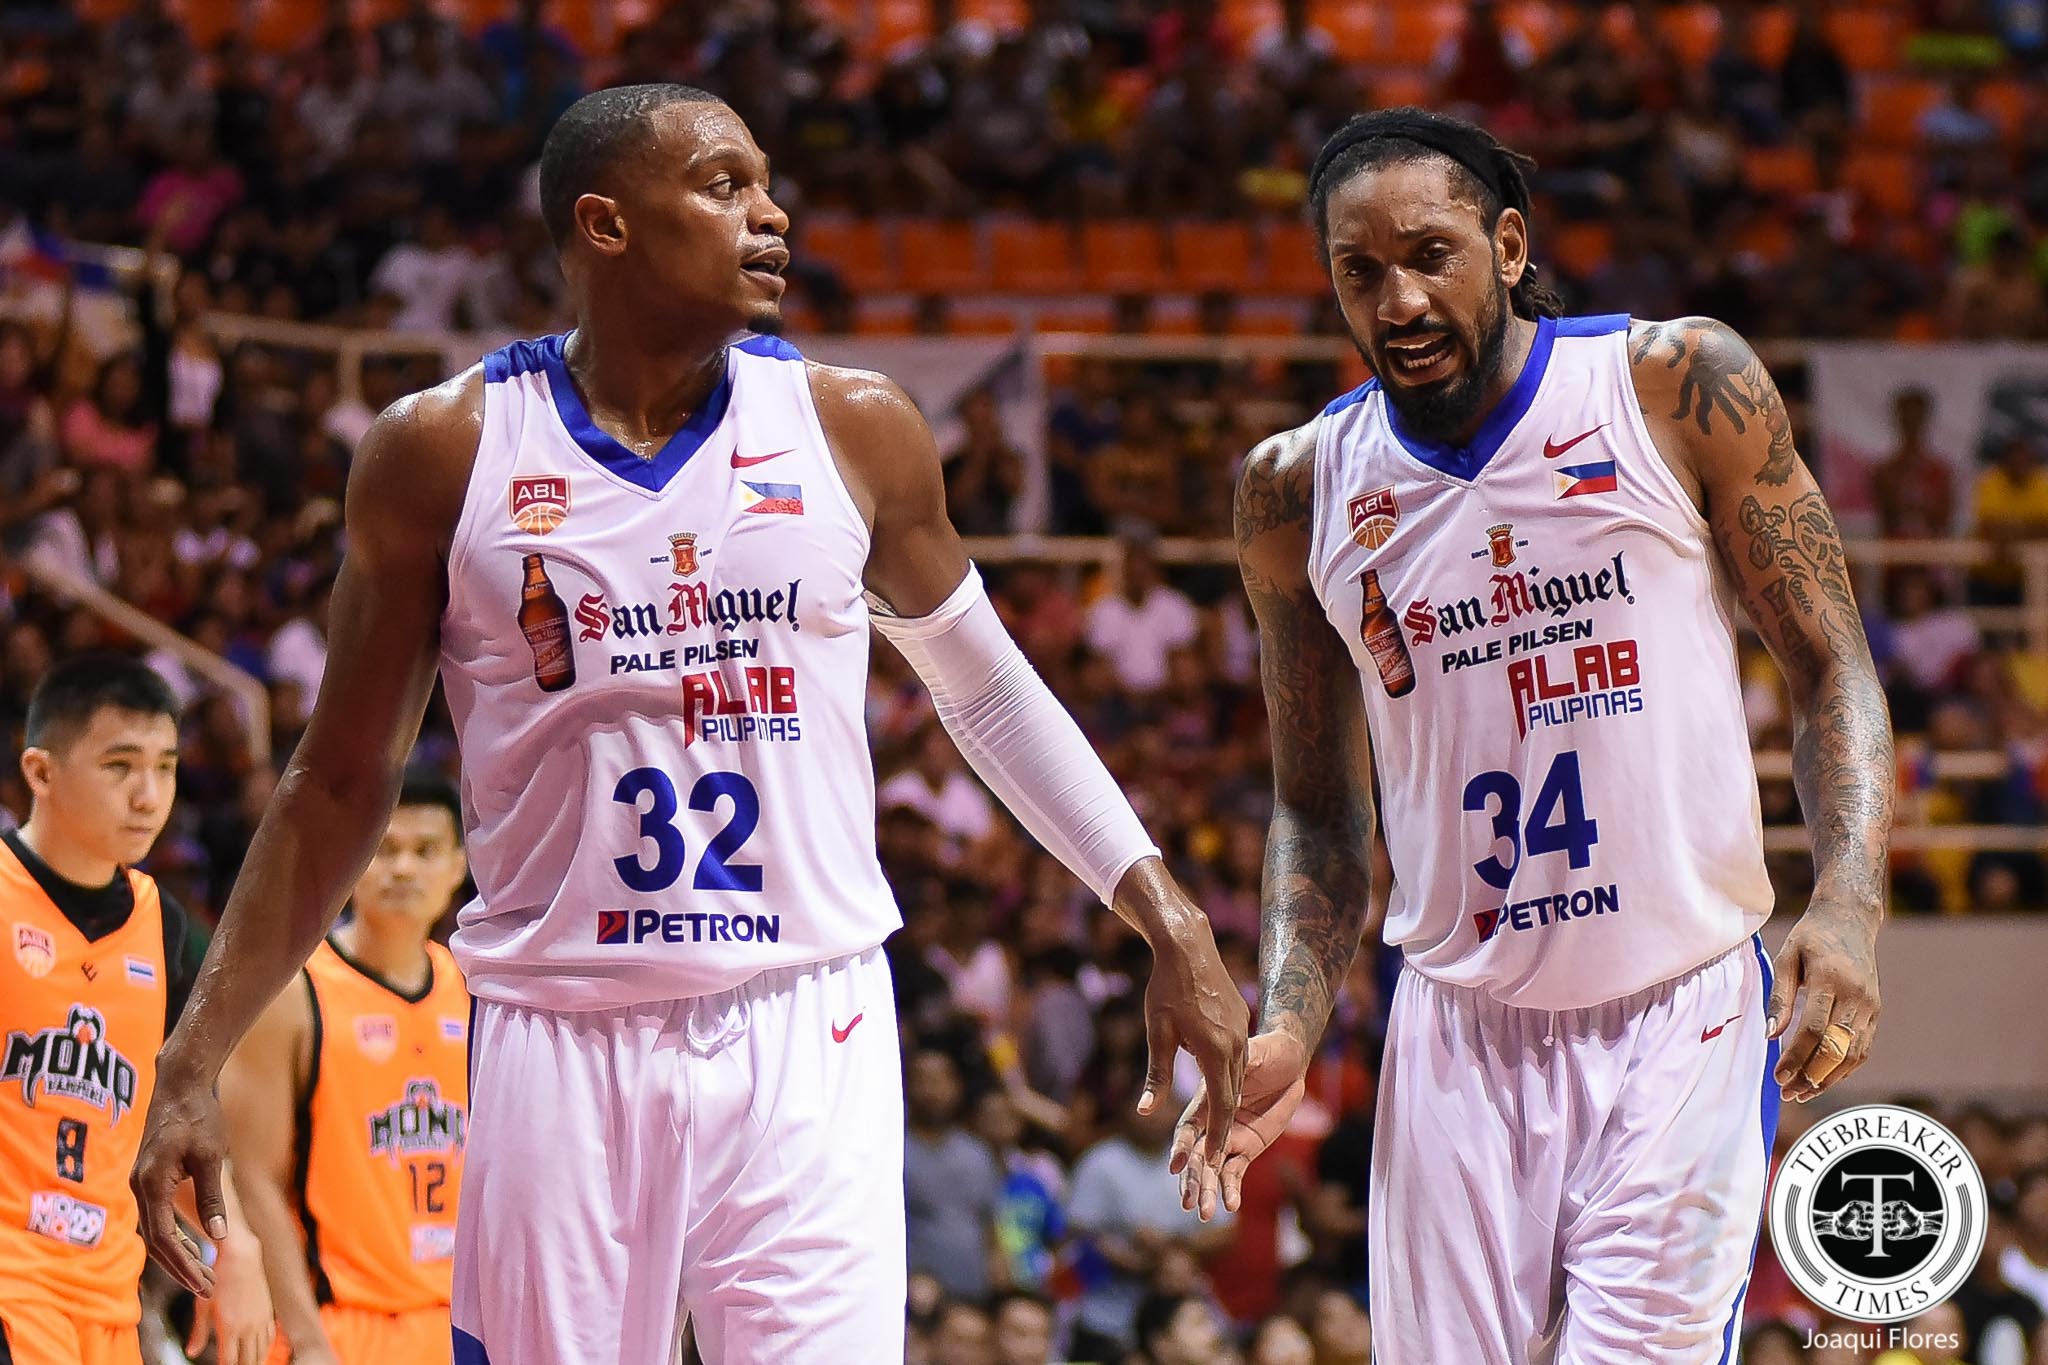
1878 1213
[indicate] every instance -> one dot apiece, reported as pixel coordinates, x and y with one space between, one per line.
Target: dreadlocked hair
1494 176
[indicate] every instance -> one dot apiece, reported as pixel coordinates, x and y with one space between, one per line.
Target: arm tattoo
1723 375
1797 591
1315 892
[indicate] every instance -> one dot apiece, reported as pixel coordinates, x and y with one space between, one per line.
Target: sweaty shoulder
1705 397
1274 511
881 440
413 465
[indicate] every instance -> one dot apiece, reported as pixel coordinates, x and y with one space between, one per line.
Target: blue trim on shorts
468 1350
1769 1112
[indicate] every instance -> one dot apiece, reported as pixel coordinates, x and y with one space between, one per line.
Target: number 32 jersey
1547 655
657 670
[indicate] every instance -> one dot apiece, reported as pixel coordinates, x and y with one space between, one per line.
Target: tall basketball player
643 555
348 1111
92 972
1511 557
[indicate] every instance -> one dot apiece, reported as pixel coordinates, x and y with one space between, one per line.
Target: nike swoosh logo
840 1035
1553 449
740 461
1709 1035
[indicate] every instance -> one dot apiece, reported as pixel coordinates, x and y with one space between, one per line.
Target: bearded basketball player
643 556
1507 567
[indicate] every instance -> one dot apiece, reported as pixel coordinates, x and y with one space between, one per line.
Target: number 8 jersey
1547 654
657 670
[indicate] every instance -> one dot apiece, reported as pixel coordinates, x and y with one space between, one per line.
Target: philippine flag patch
141 972
1578 480
784 498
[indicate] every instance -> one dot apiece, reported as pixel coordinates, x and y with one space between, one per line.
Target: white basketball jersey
658 670
1550 682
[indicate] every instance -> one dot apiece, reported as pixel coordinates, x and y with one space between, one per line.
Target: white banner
1978 396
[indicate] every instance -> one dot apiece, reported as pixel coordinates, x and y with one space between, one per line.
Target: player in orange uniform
90 975
348 1107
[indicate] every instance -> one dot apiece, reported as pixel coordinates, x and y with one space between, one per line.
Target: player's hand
1276 1066
241 1316
1190 1002
1829 958
182 1138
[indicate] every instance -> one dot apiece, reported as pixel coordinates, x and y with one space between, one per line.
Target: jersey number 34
1557 822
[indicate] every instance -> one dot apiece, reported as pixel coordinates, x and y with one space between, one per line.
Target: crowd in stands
382 177
1816 170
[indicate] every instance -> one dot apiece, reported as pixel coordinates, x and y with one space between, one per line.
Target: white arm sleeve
1018 737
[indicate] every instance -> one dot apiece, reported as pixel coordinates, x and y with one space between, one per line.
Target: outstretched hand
1191 1002
183 1137
1216 1141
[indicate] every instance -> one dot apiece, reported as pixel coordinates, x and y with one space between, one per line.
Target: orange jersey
381 1134
80 1024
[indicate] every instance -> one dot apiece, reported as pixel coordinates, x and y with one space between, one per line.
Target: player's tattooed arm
1319 846
1727 435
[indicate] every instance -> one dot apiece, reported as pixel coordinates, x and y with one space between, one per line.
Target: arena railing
244 689
351 347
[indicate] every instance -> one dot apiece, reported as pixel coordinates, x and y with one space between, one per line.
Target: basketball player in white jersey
1511 557
642 556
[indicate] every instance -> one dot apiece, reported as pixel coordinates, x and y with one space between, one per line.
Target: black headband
1460 141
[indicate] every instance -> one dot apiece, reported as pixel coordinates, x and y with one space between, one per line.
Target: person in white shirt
937 787
2024 1263
427 277
1142 622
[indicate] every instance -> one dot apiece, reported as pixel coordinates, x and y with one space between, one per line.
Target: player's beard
1446 411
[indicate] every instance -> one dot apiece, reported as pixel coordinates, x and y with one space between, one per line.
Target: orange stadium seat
1032 258
1247 19
2012 105
858 248
206 21
1868 39
1766 238
1353 26
1211 255
1693 31
284 26
896 22
1892 108
1771 34
1096 318
1578 249
1417 31
981 322
873 319
1535 22
939 257
1290 260
1779 170
1124 257
1003 16
1393 88
1887 179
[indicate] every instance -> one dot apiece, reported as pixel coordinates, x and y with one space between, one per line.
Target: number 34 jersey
657 669
1547 656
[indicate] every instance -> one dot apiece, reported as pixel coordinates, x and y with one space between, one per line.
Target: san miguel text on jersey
1546 654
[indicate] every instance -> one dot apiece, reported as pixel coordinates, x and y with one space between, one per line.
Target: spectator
110 429
1814 87
428 281
1280 1341
2010 509
1341 1331
183 201
2001 297
1285 53
1179 1329
336 99
431 95
1023 1328
1915 489
2024 1263
1137 626
1127 1212
1030 1224
952 1184
1485 63
170 99
985 472
1003 142
938 787
960 1335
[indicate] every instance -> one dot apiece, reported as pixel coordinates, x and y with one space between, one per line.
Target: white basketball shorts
1582 1187
735 1157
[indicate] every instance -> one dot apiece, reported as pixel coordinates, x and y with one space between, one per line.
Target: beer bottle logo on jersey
1878 1213
73 1062
421 1122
